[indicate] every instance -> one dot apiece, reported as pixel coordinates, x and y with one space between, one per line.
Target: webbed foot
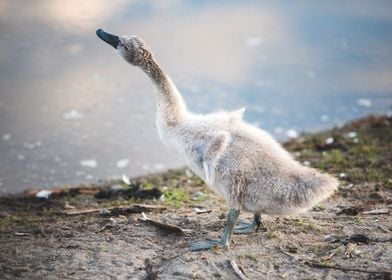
206 245
232 216
255 225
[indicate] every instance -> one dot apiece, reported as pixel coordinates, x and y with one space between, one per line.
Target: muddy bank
98 232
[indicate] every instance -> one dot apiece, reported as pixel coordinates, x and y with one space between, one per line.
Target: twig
330 256
237 271
137 208
22 234
287 253
80 212
201 210
168 227
324 265
376 212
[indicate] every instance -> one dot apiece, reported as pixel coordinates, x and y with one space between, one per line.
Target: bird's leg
232 216
254 225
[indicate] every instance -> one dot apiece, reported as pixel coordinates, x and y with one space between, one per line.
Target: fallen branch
387 274
118 210
237 270
287 253
376 212
168 227
80 212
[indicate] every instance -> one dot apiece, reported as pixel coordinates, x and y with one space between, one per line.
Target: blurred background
73 111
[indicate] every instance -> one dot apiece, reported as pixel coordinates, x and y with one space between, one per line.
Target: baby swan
242 163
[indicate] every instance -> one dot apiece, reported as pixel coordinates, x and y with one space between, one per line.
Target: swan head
131 48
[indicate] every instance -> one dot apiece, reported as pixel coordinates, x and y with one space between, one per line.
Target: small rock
376 196
352 134
104 212
43 194
350 211
329 140
198 195
330 238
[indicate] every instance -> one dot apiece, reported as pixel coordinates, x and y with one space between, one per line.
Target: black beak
112 40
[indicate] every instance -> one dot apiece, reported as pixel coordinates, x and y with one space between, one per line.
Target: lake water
72 111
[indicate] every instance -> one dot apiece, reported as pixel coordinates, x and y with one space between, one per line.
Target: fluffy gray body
245 165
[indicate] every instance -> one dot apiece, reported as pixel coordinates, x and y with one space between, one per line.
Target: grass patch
175 197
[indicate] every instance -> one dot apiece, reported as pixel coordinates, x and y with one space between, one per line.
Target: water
72 111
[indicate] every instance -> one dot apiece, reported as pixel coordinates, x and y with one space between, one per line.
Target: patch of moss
175 197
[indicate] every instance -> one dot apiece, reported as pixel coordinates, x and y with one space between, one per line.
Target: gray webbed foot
231 218
206 245
255 225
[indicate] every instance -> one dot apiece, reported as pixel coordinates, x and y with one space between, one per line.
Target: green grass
175 197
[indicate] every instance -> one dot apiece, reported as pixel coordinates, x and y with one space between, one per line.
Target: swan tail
310 190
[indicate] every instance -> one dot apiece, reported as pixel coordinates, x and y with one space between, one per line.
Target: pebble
329 140
352 134
43 194
198 195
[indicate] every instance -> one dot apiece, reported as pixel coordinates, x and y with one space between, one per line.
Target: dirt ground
97 232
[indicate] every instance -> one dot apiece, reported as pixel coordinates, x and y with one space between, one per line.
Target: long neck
170 105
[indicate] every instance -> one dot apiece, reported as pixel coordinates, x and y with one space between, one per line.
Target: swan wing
210 153
209 172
